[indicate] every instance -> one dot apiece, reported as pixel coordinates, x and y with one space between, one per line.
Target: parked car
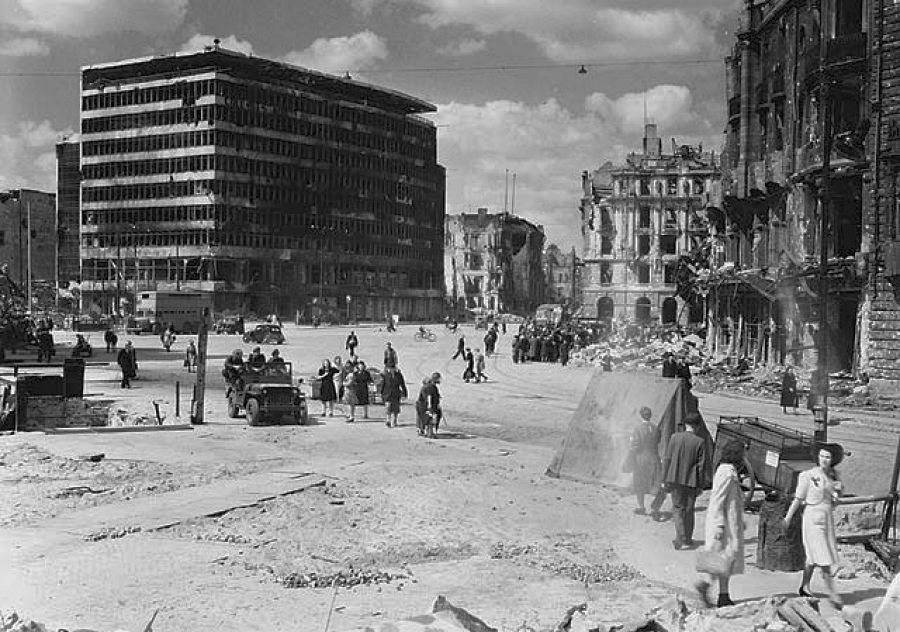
229 325
265 335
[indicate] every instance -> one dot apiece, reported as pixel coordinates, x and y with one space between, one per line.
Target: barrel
779 548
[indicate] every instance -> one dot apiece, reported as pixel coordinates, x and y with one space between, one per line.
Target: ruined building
637 220
275 187
28 236
561 272
811 140
68 211
492 262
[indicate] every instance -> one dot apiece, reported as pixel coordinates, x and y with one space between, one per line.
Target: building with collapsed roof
813 114
276 188
638 219
493 263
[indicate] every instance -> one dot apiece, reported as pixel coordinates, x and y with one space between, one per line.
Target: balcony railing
850 47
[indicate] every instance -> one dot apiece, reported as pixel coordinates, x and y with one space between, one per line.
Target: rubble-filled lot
37 484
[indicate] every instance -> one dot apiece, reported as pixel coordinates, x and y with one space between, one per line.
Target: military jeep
267 394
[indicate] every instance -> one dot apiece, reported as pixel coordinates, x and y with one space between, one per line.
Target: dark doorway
642 310
605 309
669 311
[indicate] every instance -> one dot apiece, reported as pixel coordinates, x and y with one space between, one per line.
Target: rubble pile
344 578
558 561
13 623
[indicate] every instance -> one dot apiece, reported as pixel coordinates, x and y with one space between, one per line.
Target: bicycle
426 335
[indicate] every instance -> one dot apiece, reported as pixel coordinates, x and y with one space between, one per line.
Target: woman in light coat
724 532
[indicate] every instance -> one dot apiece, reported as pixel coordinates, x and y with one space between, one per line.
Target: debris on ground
346 578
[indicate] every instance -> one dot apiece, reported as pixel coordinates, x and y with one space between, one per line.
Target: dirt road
470 515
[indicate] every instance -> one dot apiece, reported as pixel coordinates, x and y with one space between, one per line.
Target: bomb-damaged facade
276 188
810 108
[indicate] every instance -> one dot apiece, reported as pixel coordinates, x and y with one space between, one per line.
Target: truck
553 314
182 310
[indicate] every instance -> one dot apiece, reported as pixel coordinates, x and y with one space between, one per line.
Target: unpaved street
470 515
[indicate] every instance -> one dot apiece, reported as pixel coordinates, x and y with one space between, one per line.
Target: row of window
259 99
318 152
370 138
424 209
327 227
281 272
684 187
304 174
166 239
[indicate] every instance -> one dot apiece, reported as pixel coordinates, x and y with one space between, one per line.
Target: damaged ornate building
812 143
637 220
274 187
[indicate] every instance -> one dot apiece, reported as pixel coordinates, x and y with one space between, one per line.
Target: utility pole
199 404
28 209
118 275
820 410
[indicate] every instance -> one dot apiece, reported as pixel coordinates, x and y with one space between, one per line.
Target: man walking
469 373
390 356
684 474
393 389
480 375
460 348
127 361
428 406
351 344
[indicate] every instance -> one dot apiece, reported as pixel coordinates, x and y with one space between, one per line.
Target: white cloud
199 41
463 47
27 156
23 47
580 30
89 18
339 54
548 146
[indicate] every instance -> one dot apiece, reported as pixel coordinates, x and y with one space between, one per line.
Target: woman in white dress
724 531
817 489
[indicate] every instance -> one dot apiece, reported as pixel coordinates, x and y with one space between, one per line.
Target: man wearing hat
684 475
669 366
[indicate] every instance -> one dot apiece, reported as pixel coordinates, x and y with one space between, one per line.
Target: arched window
669 311
605 308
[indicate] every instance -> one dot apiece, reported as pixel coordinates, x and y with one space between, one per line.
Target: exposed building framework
804 82
275 187
493 262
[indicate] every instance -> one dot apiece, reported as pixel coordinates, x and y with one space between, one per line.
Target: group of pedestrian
475 362
543 344
685 471
677 366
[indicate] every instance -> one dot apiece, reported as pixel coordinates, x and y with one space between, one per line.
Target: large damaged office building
276 188
813 128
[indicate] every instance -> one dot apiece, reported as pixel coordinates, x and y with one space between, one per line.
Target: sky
503 75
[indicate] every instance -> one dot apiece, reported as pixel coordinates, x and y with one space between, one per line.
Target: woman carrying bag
723 551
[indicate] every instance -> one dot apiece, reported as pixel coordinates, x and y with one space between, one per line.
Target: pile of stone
344 578
12 622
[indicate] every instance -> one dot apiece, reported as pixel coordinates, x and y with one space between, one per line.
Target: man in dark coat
393 389
352 343
127 360
390 356
669 366
428 406
684 474
460 348
469 373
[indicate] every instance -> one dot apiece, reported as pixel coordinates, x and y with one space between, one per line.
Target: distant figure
190 357
789 398
327 392
606 361
390 356
352 343
647 467
393 389
127 360
460 348
428 407
669 366
469 372
168 338
111 340
480 375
